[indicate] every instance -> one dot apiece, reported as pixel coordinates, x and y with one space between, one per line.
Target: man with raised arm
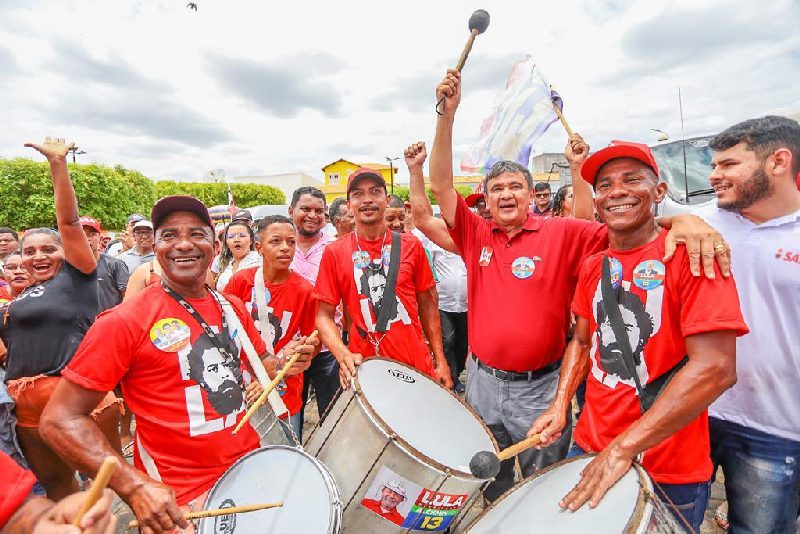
522 273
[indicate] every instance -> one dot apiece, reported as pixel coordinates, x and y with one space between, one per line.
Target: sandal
721 516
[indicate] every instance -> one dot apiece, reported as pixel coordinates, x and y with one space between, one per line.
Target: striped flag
520 115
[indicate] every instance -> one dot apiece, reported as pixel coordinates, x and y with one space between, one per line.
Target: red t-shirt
341 278
661 305
16 484
519 290
186 397
291 312
375 506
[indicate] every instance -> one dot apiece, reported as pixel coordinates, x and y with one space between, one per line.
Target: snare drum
270 429
399 447
310 498
630 506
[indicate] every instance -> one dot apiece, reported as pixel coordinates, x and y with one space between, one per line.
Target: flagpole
560 115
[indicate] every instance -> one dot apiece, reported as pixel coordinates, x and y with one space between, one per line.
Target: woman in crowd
238 252
46 322
562 202
15 274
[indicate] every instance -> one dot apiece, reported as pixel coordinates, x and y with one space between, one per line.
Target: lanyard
214 338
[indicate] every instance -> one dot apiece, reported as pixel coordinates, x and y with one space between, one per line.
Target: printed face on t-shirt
220 377
639 327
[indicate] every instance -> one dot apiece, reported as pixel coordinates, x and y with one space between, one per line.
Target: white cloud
263 87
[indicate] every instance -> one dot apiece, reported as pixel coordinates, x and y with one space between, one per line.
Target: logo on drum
225 524
400 375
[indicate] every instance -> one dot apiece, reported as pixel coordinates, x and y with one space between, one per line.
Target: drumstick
486 464
275 381
222 511
478 22
560 115
98 485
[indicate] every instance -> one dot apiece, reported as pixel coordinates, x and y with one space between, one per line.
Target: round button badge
649 274
523 267
170 334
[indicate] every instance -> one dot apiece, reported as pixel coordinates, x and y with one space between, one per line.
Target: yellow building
336 175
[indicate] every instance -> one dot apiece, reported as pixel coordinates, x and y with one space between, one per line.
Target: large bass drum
630 506
310 498
399 447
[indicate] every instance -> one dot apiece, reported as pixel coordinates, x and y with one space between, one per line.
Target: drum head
422 413
272 474
535 502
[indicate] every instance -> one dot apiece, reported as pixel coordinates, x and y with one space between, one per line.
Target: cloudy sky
256 87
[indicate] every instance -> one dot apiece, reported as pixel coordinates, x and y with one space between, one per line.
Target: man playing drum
522 273
280 303
658 344
175 348
384 280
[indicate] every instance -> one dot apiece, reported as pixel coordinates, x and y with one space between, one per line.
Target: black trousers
454 341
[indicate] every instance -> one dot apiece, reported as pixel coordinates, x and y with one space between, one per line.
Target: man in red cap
180 354
477 201
112 273
522 273
658 345
384 280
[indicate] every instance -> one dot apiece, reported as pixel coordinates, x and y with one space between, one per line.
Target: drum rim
336 498
409 449
635 519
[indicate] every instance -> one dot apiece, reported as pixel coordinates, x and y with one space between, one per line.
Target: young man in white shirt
755 425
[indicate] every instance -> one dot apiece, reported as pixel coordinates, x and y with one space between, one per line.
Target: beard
306 233
750 191
227 399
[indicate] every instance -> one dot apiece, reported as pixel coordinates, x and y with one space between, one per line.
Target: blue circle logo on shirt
523 267
649 274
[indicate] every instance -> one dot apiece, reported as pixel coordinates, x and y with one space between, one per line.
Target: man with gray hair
522 273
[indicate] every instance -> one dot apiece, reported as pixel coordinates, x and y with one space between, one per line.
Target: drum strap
388 304
650 392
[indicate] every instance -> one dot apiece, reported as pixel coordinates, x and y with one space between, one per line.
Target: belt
512 376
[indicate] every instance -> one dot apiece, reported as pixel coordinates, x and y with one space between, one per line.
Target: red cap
173 203
360 174
617 149
91 222
472 199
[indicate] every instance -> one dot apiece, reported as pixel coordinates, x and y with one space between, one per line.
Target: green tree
213 194
109 194
403 192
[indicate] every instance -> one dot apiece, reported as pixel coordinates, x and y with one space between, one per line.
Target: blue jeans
761 477
323 374
689 500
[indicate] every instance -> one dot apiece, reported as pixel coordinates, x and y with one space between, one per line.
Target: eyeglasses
240 235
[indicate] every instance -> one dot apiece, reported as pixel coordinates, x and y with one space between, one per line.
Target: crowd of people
675 332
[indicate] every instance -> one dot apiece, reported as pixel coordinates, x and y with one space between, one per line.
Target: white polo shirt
766 265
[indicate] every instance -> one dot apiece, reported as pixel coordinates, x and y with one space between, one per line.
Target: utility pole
75 150
391 173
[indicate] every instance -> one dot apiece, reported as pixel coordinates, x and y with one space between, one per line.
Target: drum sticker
409 505
649 274
225 524
360 259
616 273
170 334
486 257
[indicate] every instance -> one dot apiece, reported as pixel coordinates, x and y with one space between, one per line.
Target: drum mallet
275 381
478 23
98 485
222 511
486 464
560 114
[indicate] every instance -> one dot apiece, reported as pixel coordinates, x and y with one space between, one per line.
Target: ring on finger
721 248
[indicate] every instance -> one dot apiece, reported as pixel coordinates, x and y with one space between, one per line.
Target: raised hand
415 155
52 148
450 88
577 150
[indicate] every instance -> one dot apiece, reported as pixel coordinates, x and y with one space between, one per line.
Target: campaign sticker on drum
170 334
649 274
409 505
